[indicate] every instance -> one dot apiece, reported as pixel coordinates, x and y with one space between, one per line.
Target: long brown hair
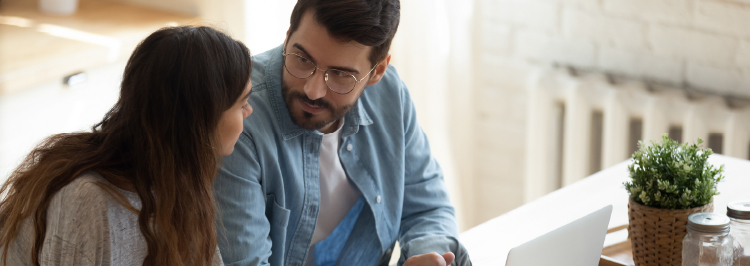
160 138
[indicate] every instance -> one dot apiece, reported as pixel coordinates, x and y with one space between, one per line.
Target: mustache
303 97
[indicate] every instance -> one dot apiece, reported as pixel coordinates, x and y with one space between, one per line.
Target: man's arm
242 227
428 222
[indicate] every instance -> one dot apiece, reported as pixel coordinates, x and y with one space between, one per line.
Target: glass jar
707 242
739 216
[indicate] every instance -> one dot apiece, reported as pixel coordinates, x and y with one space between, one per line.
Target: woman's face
230 124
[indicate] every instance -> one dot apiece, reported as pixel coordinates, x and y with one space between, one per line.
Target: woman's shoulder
78 225
87 199
85 216
86 189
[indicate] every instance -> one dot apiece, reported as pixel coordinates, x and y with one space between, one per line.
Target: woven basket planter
656 234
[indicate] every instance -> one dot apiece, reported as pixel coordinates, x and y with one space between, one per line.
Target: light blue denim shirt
268 189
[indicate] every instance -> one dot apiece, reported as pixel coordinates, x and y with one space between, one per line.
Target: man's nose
315 86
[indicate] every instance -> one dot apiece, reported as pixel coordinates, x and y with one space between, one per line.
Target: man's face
311 104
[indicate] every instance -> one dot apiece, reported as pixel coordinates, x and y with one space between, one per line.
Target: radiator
581 123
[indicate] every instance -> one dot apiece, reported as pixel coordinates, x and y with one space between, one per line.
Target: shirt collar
356 117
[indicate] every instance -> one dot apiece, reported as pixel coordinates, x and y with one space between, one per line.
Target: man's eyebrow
342 68
298 46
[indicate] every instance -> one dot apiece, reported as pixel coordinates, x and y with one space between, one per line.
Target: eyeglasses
339 81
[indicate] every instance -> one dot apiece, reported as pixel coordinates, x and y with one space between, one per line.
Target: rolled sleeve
428 221
439 244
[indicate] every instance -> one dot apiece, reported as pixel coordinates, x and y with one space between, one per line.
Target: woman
137 189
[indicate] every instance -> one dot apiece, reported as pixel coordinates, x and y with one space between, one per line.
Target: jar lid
708 222
739 209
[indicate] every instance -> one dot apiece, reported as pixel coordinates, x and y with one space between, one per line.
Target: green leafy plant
668 175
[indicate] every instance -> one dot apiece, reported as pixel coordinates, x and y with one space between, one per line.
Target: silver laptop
578 243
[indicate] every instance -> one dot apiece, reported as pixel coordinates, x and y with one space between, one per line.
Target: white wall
29 116
267 23
699 44
704 44
432 52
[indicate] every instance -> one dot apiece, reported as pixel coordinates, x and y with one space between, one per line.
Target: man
332 168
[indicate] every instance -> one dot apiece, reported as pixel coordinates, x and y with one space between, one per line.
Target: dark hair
369 22
160 138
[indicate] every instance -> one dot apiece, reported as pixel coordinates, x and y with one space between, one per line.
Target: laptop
578 243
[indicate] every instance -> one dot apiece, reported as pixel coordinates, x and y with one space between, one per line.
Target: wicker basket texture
656 234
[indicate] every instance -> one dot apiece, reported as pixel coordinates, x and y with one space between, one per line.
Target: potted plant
669 181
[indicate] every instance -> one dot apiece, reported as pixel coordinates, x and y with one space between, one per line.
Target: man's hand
431 259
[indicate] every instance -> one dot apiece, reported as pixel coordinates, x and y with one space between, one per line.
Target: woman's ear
379 71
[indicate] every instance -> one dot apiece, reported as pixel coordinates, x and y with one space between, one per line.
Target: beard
307 120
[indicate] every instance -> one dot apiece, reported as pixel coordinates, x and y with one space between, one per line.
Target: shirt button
349 147
377 199
388 251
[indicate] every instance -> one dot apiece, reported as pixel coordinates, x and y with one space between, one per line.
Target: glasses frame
325 73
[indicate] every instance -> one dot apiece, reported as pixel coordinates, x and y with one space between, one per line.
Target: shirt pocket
278 218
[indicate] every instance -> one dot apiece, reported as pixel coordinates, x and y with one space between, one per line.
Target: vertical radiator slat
695 125
737 135
540 156
616 118
559 128
655 120
576 133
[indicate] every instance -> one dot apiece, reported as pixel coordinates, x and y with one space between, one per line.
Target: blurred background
518 97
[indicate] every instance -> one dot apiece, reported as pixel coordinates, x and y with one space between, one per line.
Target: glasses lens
298 66
340 81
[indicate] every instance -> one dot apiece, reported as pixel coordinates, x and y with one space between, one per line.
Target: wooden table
36 48
490 242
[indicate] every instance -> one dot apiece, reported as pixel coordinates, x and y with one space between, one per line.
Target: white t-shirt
337 193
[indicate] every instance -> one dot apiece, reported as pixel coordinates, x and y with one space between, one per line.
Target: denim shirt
268 188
